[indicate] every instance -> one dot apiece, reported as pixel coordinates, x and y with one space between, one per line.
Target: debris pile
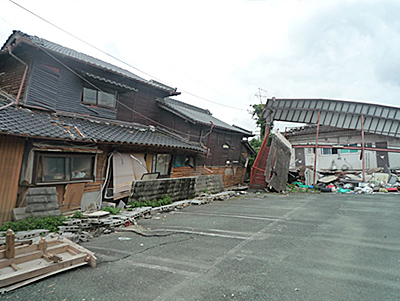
96 223
375 182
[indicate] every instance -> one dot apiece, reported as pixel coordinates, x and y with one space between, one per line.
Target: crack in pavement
172 292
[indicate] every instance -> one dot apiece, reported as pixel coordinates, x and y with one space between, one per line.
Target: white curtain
127 168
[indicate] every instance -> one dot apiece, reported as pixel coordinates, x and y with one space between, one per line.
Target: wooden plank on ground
37 270
39 260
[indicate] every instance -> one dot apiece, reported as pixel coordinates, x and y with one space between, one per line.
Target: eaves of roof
73 54
249 147
19 121
378 119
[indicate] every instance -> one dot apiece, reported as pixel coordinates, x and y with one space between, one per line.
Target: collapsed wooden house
90 128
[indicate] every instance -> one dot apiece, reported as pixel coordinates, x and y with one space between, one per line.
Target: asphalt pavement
252 247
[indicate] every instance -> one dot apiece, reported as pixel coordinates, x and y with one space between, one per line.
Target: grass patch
50 223
165 200
112 210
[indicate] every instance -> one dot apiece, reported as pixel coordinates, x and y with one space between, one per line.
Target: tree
256 114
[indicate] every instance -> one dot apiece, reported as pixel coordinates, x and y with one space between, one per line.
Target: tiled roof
68 52
197 115
34 123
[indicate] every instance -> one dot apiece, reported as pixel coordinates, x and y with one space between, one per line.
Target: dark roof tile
198 115
34 123
65 51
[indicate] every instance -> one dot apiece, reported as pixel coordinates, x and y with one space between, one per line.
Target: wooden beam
10 244
32 255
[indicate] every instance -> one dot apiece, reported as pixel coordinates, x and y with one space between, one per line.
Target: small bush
50 223
165 200
77 214
112 210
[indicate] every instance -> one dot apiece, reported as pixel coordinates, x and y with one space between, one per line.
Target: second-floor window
99 98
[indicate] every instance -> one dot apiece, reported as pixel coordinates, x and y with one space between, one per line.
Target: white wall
394 160
351 161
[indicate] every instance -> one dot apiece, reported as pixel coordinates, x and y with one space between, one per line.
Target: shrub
112 210
50 223
165 200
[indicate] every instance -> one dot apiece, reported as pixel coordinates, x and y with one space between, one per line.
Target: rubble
376 182
29 256
96 223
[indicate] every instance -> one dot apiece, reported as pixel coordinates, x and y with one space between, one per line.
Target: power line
119 60
116 100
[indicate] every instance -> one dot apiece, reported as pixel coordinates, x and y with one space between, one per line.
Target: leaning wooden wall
11 152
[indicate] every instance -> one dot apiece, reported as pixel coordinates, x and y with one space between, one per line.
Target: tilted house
228 145
87 127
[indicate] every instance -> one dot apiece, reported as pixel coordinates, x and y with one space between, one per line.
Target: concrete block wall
175 188
208 184
42 201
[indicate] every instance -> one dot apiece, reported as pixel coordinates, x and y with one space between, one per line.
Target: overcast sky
224 51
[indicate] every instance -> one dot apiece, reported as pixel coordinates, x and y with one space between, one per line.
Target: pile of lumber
25 262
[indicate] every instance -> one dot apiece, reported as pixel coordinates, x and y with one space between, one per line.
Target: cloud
346 51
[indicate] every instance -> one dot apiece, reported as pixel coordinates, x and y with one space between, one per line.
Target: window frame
98 93
181 160
38 176
326 151
154 164
349 151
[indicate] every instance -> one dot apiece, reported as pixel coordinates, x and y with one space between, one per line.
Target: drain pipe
23 77
208 147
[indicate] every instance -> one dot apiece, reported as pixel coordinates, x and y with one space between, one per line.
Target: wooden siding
11 152
54 86
135 105
43 86
220 155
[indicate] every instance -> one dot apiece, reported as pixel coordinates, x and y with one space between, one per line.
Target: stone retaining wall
176 188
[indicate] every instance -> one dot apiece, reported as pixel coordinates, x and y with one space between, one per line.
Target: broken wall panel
277 167
126 169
